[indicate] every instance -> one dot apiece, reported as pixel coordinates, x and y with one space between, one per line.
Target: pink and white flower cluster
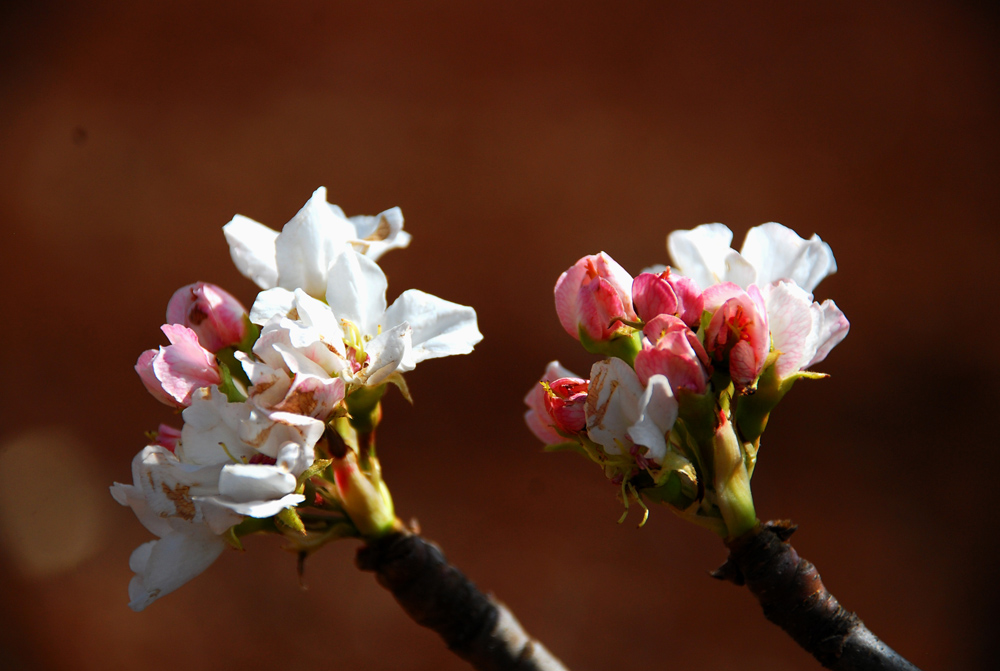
258 389
685 342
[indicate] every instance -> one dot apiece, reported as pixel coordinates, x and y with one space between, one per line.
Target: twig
436 595
794 598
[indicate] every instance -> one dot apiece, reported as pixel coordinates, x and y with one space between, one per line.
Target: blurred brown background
516 137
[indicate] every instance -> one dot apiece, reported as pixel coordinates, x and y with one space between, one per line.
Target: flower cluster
280 404
698 355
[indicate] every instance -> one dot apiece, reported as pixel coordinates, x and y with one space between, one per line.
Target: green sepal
228 387
364 409
399 381
347 433
753 410
568 446
290 518
250 337
317 467
249 525
698 412
623 344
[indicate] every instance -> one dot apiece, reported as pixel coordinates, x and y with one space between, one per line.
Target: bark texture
793 597
436 595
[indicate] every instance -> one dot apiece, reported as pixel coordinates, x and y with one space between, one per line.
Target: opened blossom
300 256
164 496
802 330
770 252
672 349
355 335
626 417
592 296
174 373
738 333
218 319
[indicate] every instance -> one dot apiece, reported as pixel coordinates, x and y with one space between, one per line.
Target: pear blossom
770 252
623 415
667 293
673 350
174 373
164 498
802 330
354 335
738 332
592 295
218 319
537 417
260 452
299 257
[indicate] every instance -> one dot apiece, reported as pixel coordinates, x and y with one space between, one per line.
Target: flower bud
173 373
218 318
538 418
731 481
592 295
674 351
666 293
738 333
565 399
168 437
367 503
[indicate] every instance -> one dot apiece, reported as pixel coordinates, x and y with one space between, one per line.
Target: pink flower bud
537 417
738 331
565 399
168 437
592 295
211 312
173 373
667 294
673 350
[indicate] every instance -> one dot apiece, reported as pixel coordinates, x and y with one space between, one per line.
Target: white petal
164 565
272 303
377 235
210 434
778 253
387 352
612 403
308 244
252 246
704 254
261 509
440 327
356 290
657 414
831 327
243 483
791 320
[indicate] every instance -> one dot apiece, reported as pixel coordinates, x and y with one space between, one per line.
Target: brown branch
793 597
436 595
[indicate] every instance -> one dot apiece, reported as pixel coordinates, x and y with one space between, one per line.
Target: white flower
803 330
354 335
164 498
620 413
771 252
259 452
300 256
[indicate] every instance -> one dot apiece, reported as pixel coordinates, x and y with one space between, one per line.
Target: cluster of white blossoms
264 394
698 355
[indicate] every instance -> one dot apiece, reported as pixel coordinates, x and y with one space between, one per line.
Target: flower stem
793 597
436 595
